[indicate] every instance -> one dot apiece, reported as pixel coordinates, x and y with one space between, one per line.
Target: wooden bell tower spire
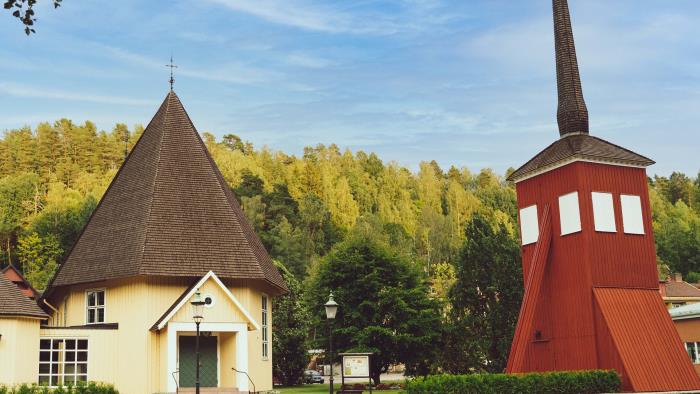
572 114
589 261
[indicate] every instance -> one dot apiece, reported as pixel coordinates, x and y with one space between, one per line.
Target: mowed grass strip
323 388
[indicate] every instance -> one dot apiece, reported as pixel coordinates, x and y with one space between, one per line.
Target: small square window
95 300
569 214
529 227
632 221
603 212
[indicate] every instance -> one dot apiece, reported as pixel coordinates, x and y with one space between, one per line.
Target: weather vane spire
172 66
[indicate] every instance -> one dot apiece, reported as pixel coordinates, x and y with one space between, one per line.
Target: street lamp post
197 308
331 310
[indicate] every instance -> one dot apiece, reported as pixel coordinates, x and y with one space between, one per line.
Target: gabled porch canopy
183 300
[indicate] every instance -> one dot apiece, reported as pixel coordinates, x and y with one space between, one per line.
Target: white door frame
241 330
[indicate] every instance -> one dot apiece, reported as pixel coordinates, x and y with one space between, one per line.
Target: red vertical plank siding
619 259
524 332
577 332
608 357
564 314
646 340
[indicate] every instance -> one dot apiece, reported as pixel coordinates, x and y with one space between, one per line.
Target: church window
529 228
569 213
603 212
632 221
62 361
265 341
95 300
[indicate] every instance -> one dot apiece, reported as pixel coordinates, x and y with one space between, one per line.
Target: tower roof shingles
572 114
168 212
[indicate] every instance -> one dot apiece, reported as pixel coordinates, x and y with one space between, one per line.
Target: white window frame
569 213
96 307
529 234
632 214
603 212
264 325
60 373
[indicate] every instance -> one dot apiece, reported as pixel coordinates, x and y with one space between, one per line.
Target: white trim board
241 330
186 298
574 159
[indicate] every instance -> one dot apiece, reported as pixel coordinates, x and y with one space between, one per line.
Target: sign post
355 365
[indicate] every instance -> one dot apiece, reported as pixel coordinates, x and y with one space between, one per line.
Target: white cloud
307 61
231 72
25 91
350 17
291 13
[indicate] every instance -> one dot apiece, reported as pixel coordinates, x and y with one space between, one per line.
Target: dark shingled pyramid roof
14 303
572 114
168 212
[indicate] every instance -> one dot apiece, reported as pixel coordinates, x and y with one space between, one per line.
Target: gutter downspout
52 307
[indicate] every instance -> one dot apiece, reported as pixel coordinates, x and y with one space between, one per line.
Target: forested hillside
52 177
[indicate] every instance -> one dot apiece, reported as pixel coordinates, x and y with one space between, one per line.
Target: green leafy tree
678 187
677 235
485 299
290 325
384 306
39 258
17 201
251 185
696 193
233 142
64 214
287 244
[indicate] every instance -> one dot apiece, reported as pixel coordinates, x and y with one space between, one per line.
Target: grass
323 389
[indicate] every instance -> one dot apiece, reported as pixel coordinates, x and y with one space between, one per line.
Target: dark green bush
577 382
81 388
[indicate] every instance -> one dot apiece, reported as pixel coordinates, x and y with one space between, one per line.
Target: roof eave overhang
516 177
24 316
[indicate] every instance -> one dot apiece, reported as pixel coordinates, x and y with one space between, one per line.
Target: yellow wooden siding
222 309
19 350
227 346
260 368
136 304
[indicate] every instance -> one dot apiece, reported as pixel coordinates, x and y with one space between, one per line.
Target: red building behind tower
589 261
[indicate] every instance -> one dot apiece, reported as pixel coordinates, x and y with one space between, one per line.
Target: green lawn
323 389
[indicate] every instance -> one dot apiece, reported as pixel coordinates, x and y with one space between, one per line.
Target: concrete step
209 390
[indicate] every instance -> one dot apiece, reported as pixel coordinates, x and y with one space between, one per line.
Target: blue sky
465 82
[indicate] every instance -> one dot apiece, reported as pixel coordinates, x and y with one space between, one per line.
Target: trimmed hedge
577 382
89 388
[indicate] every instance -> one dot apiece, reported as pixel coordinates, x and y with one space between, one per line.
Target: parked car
311 376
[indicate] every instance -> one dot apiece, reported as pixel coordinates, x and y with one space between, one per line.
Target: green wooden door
207 360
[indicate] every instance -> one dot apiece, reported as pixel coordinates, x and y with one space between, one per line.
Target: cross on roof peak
172 66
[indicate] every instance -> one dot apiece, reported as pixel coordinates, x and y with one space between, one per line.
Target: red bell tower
589 261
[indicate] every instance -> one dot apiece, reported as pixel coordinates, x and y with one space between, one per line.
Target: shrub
577 382
81 388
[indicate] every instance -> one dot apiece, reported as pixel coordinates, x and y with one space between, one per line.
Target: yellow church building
118 308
